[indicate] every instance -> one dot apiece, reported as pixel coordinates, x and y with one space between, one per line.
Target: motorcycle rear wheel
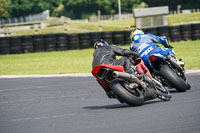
176 81
125 95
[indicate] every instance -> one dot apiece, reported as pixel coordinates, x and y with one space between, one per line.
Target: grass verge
79 61
107 25
184 18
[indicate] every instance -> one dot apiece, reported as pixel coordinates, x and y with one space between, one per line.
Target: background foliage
83 8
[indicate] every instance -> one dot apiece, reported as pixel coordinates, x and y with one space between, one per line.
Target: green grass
73 61
184 18
80 27
189 52
107 25
79 61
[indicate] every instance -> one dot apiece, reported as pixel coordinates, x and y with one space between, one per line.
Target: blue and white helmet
135 34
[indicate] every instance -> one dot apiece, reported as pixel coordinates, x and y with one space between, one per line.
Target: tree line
78 9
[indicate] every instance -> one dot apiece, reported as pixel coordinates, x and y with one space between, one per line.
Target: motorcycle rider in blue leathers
145 45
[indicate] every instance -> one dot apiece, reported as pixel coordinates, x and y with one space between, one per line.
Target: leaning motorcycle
169 71
133 89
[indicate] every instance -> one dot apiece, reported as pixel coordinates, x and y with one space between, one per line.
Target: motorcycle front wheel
132 99
162 92
176 81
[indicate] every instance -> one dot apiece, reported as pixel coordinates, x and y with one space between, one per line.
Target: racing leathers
107 55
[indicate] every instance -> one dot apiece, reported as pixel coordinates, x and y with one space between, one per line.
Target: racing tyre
125 95
173 79
163 93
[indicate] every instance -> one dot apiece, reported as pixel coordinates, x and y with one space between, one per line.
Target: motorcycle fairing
114 67
160 57
104 81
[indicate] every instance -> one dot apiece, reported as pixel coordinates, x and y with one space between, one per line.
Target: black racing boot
150 94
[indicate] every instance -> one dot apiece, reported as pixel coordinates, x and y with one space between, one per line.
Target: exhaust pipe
125 76
129 77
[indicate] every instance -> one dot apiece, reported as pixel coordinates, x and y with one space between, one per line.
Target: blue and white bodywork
145 46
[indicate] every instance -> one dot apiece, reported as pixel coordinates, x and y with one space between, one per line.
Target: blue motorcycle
170 71
161 62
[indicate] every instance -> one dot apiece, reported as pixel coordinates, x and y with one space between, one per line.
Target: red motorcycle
133 89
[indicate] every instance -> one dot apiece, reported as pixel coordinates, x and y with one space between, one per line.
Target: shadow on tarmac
122 105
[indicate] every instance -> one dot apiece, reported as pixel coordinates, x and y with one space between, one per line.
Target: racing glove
169 46
127 52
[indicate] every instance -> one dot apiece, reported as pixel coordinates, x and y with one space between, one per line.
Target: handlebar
170 46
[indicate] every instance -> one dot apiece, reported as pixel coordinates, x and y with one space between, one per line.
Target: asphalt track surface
79 105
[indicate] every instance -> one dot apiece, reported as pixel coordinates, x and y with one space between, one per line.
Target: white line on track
69 75
48 76
42 99
37 118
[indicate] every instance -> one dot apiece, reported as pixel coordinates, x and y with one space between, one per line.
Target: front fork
178 66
